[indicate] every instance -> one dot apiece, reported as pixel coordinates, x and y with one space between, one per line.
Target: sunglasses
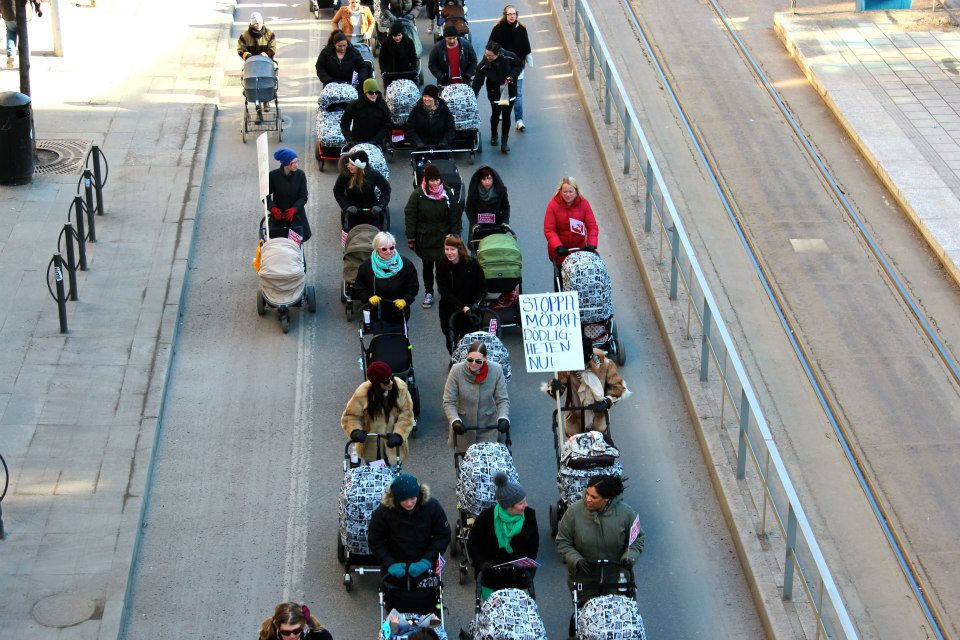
292 632
390 248
370 93
475 360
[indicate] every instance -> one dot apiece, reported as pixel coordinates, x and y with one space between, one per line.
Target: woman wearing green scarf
504 532
387 281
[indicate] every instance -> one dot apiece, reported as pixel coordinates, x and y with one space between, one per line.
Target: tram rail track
829 403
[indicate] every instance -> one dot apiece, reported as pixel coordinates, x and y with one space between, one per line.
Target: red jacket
570 225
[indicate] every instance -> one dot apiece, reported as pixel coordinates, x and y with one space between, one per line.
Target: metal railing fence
802 558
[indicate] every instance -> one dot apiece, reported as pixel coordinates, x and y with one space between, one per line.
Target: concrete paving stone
89 630
22 408
84 514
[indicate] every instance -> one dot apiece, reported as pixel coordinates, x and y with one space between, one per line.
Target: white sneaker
9 62
520 125
427 301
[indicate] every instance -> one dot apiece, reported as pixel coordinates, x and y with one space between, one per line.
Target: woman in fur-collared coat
596 388
381 405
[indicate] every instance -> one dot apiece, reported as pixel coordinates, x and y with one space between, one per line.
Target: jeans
518 103
11 36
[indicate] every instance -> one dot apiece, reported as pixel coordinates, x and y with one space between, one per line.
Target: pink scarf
434 194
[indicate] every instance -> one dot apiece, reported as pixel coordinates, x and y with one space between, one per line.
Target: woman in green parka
599 527
432 212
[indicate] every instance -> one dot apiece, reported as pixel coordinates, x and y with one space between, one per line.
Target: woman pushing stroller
569 222
356 189
381 405
476 391
288 196
387 282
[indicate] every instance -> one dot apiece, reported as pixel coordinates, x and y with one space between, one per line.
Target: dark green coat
429 221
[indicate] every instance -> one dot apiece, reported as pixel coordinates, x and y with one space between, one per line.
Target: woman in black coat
339 60
287 200
510 34
397 55
502 533
497 68
356 188
461 285
386 281
487 201
430 122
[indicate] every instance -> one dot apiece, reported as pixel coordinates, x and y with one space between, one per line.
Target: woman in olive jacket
432 212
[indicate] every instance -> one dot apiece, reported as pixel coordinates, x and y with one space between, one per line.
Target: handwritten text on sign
551 331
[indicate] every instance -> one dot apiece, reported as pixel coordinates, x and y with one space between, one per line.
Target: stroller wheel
554 520
316 150
349 310
279 123
462 575
311 299
341 551
285 323
619 355
415 393
455 542
348 582
261 304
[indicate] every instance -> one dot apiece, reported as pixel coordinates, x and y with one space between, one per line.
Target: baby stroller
475 489
614 614
501 260
360 494
333 101
508 614
496 352
358 248
454 12
585 272
462 102
260 88
283 276
401 96
367 54
387 342
443 160
417 601
579 458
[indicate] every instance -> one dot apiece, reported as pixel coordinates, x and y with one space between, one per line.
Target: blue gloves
419 567
397 570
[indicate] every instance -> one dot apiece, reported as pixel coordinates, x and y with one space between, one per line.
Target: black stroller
498 252
585 272
419 602
611 611
578 459
442 158
510 613
388 342
475 488
360 494
260 88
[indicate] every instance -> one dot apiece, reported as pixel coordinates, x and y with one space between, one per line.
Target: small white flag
440 564
634 531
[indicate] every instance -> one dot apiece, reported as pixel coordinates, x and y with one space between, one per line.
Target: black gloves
601 405
556 386
582 567
376 210
562 250
486 566
394 440
626 562
589 247
352 211
358 435
503 425
458 428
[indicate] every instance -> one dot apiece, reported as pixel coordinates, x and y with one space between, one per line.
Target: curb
755 561
889 183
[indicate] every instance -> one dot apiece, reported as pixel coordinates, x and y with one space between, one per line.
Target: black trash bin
16 138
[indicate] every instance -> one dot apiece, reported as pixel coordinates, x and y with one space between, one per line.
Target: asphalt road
244 493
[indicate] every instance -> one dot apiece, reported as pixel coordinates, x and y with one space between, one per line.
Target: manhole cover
63 610
61 156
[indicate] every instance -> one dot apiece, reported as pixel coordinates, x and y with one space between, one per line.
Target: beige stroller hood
282 277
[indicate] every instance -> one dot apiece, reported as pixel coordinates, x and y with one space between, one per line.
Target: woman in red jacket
569 222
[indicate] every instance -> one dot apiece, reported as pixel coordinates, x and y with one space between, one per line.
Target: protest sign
551 331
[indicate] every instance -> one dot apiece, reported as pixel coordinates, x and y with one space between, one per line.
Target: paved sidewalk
893 81
78 412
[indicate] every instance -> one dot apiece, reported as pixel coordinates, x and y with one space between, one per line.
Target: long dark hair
380 403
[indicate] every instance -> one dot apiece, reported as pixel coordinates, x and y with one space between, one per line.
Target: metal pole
23 46
648 204
788 562
88 193
61 296
71 261
98 179
81 232
674 272
742 445
705 342
55 26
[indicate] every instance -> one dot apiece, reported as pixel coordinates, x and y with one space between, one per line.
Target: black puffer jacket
330 68
495 72
365 121
397 57
439 62
498 205
404 284
398 535
482 545
365 197
426 128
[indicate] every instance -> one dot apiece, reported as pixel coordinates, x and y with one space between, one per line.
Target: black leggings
496 110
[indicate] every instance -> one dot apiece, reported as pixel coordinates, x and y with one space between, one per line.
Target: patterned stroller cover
362 489
402 96
259 79
610 618
508 614
573 482
585 272
282 277
358 250
482 461
496 352
462 102
374 153
333 100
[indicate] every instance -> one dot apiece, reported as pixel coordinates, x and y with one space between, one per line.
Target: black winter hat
396 27
432 91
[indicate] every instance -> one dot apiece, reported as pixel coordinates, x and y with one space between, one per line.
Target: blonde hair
570 180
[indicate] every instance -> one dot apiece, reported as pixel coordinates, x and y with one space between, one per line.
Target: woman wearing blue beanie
288 197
